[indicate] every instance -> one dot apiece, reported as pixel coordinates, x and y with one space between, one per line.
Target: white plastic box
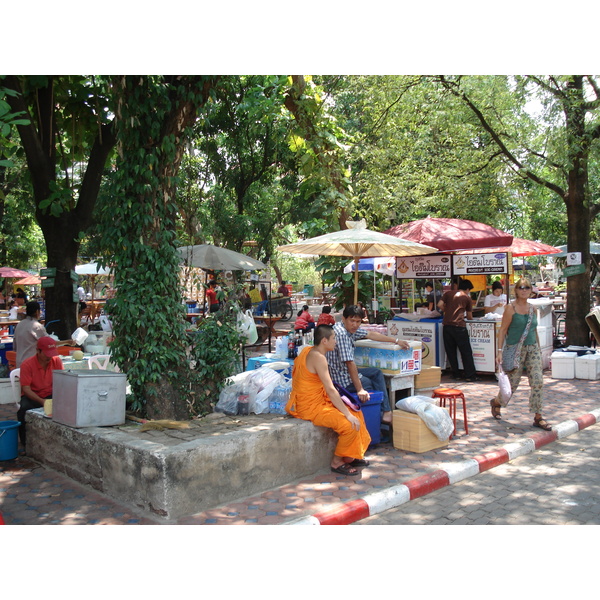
390 358
88 398
587 366
563 365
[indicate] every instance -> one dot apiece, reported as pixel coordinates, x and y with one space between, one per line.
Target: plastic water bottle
278 400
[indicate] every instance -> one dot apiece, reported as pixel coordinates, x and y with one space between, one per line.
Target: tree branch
454 89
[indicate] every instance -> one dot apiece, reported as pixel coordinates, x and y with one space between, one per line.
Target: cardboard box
429 377
390 358
411 433
563 365
587 366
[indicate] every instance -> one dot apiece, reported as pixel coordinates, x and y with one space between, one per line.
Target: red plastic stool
451 395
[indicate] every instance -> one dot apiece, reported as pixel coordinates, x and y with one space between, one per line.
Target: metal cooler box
92 398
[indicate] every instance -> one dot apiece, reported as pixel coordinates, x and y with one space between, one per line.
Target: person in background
495 301
36 379
365 313
432 297
29 331
305 321
314 398
283 290
20 297
514 320
211 296
342 367
325 317
454 305
82 297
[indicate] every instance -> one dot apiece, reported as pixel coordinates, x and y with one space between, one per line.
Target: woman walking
518 316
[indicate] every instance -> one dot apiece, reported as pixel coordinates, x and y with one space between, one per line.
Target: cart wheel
287 311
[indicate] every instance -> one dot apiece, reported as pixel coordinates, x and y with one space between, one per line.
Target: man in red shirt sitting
36 378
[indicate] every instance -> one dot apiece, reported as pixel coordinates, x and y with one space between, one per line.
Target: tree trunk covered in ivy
153 117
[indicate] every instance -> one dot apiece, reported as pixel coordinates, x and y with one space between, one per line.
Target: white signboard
483 338
480 264
423 267
573 258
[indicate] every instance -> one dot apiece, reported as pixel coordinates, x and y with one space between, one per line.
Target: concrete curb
447 474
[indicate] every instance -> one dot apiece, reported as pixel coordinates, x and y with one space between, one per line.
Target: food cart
483 331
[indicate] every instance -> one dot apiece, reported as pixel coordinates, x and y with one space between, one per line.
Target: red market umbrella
13 273
31 280
450 235
519 247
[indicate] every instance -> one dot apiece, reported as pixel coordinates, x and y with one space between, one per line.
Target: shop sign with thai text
421 267
480 264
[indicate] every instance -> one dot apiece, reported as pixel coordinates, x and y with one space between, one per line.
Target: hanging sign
480 264
573 270
49 272
48 282
423 267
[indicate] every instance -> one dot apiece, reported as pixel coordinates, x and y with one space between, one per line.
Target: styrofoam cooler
563 365
587 366
92 398
545 336
390 358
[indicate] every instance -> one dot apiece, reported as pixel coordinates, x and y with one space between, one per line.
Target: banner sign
480 264
423 267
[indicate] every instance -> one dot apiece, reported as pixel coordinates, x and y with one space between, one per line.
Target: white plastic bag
263 382
411 403
437 420
247 327
228 398
505 391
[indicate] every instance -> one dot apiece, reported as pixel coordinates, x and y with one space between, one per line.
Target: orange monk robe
309 401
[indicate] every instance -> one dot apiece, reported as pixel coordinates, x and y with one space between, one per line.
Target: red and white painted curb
446 474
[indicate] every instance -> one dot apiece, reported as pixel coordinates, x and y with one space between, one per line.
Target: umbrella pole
355 280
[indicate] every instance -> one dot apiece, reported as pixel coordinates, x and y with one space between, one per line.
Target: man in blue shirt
341 363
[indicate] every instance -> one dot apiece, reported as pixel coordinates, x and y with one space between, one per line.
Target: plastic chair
99 361
16 386
451 395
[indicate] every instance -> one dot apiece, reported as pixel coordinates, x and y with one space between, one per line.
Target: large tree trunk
578 213
61 231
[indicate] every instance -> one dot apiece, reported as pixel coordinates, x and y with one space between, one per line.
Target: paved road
558 484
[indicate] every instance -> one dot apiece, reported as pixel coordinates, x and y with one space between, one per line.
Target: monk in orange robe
314 398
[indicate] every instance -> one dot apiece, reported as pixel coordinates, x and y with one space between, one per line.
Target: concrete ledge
175 473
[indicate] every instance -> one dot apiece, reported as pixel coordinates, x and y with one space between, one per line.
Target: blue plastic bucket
9 441
371 411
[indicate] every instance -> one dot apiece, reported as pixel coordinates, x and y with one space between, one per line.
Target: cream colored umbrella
357 242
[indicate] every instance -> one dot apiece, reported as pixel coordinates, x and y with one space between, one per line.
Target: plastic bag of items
437 419
251 388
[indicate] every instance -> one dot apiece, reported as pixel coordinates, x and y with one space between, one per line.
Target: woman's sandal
542 424
359 462
346 469
495 409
